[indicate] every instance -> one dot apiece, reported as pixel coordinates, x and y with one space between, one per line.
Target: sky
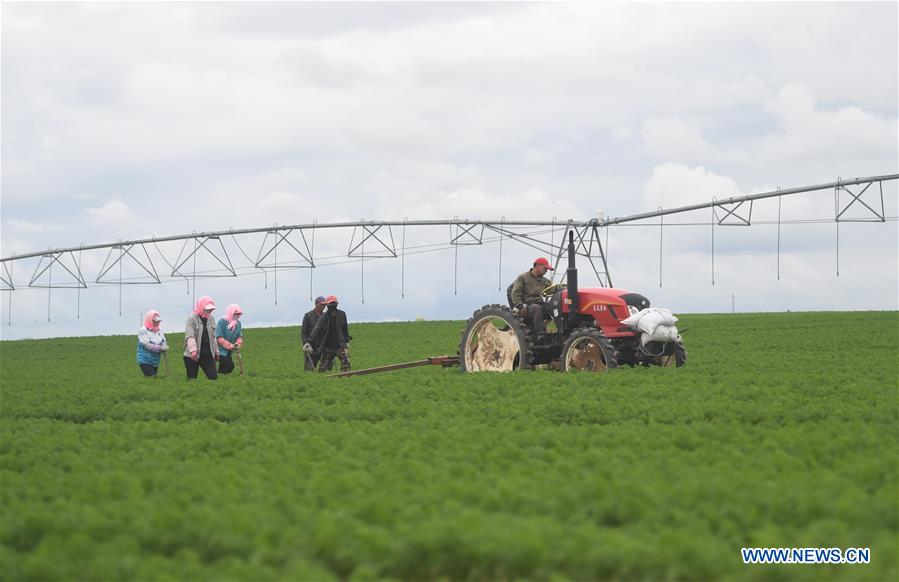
125 120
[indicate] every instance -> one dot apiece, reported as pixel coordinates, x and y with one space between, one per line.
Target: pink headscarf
229 315
202 302
148 321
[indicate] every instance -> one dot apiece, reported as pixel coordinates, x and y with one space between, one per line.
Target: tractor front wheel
587 349
495 339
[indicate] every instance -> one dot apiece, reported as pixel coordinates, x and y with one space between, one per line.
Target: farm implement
445 361
591 329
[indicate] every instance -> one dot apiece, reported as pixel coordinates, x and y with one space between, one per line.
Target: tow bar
445 361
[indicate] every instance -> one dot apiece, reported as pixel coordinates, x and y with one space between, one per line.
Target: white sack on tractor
662 333
647 320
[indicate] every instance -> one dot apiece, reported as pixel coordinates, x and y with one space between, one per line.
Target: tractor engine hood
602 302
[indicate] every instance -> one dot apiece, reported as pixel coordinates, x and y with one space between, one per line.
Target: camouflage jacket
527 288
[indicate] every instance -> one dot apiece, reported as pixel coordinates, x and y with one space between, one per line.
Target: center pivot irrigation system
230 253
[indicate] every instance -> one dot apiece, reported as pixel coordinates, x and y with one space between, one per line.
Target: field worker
150 344
333 335
229 336
200 340
312 352
526 291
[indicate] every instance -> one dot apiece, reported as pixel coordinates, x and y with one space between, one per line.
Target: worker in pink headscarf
200 345
150 344
229 332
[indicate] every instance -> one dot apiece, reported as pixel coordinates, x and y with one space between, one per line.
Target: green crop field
781 431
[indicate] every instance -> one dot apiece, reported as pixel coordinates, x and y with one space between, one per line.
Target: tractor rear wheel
587 349
495 339
677 357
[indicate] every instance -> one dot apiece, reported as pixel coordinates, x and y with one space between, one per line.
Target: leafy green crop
780 431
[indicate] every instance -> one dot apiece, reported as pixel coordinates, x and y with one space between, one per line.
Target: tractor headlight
632 310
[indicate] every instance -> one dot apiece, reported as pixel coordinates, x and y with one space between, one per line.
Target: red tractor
582 331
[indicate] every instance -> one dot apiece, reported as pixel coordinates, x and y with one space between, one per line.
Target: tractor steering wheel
551 290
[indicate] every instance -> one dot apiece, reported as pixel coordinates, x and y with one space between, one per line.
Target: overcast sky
123 120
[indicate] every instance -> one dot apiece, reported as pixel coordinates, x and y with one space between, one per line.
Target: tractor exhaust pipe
571 276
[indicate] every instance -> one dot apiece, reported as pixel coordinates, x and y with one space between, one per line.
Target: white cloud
672 139
728 95
847 137
475 203
31 226
623 133
847 141
112 213
673 185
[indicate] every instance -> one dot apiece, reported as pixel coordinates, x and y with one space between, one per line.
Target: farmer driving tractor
525 294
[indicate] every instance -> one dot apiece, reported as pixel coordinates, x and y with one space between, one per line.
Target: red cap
331 299
544 262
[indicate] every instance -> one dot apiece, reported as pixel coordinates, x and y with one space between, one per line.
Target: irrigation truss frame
378 239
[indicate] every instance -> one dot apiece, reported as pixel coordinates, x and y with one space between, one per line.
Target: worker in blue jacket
150 344
229 335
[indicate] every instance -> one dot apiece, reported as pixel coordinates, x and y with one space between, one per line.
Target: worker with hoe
526 297
332 334
200 340
312 352
229 335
